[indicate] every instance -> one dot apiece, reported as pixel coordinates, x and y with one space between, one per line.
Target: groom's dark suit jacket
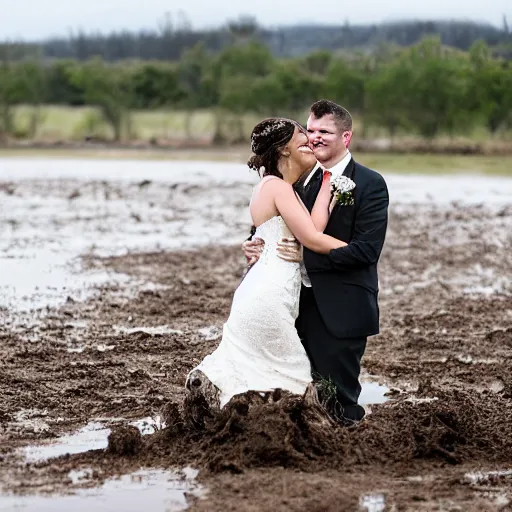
345 282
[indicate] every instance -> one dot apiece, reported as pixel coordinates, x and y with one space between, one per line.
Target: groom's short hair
341 115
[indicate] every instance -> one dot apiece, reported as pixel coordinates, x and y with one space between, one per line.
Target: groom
338 302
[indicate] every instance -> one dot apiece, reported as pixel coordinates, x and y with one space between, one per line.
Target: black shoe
346 415
353 414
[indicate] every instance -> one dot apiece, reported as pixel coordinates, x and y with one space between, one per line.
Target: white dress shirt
336 171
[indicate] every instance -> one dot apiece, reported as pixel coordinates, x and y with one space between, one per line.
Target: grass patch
437 164
75 123
63 123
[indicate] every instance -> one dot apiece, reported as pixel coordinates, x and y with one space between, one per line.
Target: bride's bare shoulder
273 183
270 185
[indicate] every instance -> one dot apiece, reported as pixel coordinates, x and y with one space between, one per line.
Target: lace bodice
272 231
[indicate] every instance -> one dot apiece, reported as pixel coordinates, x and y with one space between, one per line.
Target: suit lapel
312 188
350 169
342 217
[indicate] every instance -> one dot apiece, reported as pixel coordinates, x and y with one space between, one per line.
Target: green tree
110 88
33 86
389 96
317 62
290 89
438 93
490 89
235 70
9 95
60 87
10 88
192 71
156 85
345 83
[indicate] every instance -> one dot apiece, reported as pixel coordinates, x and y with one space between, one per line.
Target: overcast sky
36 19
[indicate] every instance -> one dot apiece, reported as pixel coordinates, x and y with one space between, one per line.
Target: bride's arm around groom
367 230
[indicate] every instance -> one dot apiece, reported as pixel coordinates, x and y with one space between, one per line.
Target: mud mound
124 440
253 430
280 429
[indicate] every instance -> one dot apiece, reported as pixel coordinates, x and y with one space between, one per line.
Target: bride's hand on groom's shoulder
252 250
289 249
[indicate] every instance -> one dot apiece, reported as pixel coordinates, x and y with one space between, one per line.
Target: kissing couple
302 314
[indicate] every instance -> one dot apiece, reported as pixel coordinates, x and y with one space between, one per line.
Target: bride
260 348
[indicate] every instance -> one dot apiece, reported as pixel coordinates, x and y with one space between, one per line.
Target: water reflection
94 436
158 491
373 503
372 393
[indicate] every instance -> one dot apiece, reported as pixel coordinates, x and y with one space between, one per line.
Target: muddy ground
445 350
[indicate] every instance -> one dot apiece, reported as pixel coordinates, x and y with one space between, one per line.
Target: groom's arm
369 233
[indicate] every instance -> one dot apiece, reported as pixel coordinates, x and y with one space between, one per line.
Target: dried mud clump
124 441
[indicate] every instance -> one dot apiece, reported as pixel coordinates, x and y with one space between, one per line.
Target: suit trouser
333 358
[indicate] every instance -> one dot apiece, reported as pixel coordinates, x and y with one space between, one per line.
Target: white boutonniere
342 189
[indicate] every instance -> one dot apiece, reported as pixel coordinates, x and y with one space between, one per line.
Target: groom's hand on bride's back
252 250
289 249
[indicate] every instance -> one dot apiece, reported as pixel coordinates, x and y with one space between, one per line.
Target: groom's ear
347 137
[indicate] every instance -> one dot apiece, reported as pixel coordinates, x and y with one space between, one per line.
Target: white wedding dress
260 348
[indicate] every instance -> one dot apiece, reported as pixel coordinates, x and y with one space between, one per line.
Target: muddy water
158 491
55 211
114 333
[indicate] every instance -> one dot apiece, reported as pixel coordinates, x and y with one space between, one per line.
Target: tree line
428 88
174 34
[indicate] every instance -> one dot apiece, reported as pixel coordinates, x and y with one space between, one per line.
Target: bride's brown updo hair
267 140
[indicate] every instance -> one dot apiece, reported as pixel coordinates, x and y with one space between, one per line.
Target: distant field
73 124
438 164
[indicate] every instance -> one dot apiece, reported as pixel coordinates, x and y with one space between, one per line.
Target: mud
122 354
281 430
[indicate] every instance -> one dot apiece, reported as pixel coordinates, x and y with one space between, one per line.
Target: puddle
149 425
91 437
373 393
210 333
94 436
153 489
372 503
415 400
81 476
59 211
486 477
45 278
151 331
158 491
